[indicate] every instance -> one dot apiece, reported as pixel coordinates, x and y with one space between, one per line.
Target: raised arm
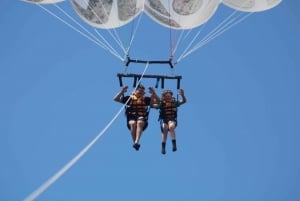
154 97
120 94
183 100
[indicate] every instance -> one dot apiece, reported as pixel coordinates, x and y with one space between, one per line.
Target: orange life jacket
168 110
137 106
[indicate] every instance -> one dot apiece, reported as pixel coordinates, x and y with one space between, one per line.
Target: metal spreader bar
162 78
149 62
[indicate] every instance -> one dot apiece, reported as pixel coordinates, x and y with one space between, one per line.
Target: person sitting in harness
167 106
136 110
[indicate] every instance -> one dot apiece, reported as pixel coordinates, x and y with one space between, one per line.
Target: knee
140 124
172 127
132 124
165 127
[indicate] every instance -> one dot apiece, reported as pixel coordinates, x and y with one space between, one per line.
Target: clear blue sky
238 135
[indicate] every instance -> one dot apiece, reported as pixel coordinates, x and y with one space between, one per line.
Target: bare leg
139 130
172 126
133 128
164 137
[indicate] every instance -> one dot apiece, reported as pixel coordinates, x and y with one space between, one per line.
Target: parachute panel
107 14
43 1
251 5
181 14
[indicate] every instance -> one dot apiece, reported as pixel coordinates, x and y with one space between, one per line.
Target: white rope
133 35
191 42
80 32
115 36
188 49
217 31
105 45
178 41
70 164
76 22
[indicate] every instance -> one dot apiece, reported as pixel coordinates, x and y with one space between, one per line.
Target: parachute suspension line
178 41
133 34
75 29
183 36
105 45
130 39
218 33
225 28
72 162
172 35
219 30
77 23
191 43
114 36
118 40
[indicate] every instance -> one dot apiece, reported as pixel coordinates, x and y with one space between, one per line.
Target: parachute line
225 25
80 32
133 35
114 34
191 42
70 164
76 22
218 33
105 46
178 41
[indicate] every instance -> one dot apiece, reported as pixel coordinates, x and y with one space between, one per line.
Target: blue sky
238 134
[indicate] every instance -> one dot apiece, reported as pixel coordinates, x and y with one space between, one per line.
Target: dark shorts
136 118
166 121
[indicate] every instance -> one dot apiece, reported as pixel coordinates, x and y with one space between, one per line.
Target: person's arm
154 98
118 97
183 98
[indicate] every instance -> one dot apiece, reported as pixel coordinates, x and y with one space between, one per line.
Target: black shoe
136 146
163 150
174 148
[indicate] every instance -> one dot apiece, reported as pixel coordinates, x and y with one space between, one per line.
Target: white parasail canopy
175 14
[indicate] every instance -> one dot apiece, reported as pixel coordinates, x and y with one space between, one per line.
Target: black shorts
136 118
166 121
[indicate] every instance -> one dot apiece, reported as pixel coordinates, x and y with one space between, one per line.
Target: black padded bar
149 62
137 77
157 81
120 81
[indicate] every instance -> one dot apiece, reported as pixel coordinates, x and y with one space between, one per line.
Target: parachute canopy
108 14
173 14
251 5
44 1
176 14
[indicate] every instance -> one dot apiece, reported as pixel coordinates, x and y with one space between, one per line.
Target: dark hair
140 87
